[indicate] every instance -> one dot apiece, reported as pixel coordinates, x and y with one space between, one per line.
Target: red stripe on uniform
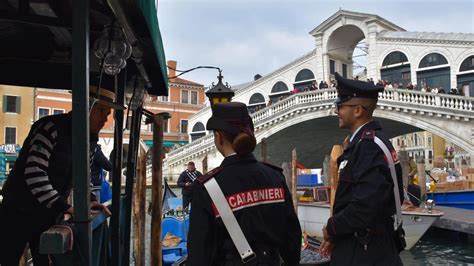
255 197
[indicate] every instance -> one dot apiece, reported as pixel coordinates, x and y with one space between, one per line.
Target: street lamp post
219 93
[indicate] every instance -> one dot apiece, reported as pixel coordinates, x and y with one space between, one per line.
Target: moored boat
459 199
416 221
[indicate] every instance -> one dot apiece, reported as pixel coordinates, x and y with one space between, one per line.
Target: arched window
394 58
396 69
256 102
467 64
279 87
198 127
304 74
256 98
198 131
433 59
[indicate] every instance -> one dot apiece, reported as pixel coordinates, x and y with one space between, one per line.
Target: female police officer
257 196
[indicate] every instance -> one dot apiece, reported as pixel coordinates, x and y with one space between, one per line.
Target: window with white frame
10 135
42 112
184 126
184 96
58 111
194 97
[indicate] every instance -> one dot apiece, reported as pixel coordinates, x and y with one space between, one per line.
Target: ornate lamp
219 93
113 49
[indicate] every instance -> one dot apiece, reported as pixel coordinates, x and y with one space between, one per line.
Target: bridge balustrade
418 100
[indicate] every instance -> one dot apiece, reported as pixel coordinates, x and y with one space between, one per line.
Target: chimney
171 68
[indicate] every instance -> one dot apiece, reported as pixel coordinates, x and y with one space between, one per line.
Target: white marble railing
403 98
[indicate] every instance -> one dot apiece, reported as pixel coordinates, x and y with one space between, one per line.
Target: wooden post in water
405 164
326 167
294 159
420 164
263 150
287 173
333 172
204 164
139 205
156 189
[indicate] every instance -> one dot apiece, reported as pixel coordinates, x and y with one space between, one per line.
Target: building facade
423 145
184 99
23 106
15 121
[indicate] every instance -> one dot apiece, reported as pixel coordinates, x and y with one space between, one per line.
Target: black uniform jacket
365 202
261 202
186 177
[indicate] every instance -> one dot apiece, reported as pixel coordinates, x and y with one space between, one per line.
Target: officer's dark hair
242 143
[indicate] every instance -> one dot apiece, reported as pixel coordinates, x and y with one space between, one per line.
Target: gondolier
361 229
186 181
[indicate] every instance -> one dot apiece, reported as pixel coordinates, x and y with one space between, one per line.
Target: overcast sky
246 37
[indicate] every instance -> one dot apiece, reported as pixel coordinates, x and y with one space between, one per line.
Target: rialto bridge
306 120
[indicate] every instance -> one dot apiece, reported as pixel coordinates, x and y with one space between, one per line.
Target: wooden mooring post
156 189
333 172
204 164
139 208
263 150
294 159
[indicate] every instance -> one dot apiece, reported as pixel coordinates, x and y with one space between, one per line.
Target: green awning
149 10
10 158
166 143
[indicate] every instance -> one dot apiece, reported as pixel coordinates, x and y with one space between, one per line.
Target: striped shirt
36 169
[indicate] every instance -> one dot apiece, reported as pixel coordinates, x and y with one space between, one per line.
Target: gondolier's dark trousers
19 227
186 200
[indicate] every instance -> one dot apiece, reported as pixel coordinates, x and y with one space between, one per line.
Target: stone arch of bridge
341 44
412 123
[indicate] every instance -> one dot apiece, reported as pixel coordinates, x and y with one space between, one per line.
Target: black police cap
349 88
232 117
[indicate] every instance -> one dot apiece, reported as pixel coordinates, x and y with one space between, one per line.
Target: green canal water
441 247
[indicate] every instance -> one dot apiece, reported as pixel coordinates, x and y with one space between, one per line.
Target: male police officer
254 194
36 191
361 229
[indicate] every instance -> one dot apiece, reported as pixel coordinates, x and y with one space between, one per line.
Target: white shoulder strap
245 251
396 193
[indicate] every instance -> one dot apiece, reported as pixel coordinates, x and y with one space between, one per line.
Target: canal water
436 247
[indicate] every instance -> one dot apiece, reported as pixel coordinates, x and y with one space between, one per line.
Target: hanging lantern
113 49
219 93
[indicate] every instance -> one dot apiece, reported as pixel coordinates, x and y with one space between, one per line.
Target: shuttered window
11 104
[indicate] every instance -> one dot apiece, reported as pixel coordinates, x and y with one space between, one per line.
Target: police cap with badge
349 88
231 117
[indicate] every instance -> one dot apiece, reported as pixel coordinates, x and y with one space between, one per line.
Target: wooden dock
456 219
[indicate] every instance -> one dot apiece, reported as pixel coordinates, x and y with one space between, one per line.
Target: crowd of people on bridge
425 88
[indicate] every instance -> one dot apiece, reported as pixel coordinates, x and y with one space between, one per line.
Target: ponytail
244 143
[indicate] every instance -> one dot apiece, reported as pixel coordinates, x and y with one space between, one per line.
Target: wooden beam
263 150
157 189
294 173
333 172
139 206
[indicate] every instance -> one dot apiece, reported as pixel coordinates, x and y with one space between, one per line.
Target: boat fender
204 178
